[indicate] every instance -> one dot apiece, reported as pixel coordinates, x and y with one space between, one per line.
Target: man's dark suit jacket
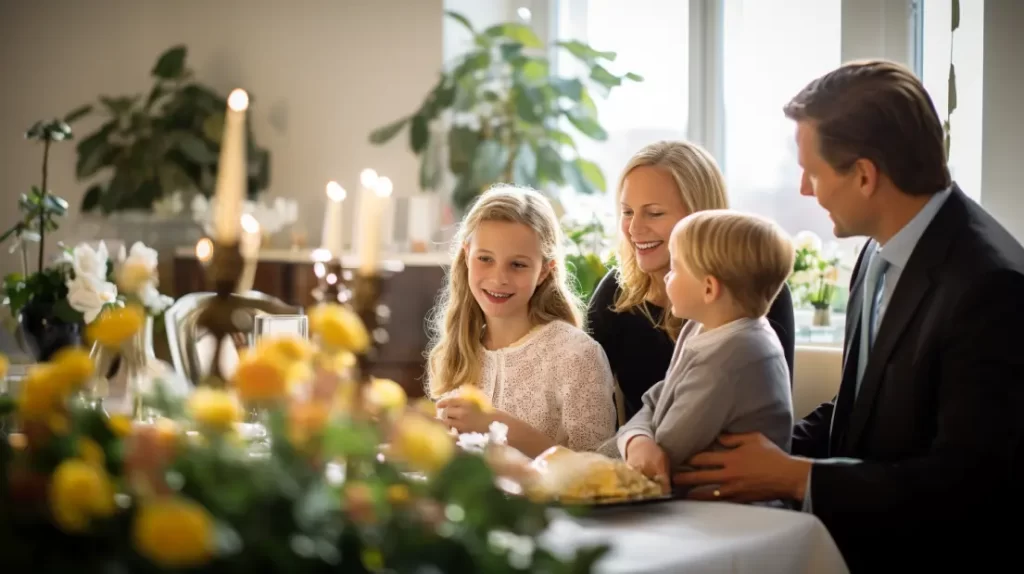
936 420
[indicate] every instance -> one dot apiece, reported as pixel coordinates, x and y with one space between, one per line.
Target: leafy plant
40 211
505 110
588 259
161 142
951 100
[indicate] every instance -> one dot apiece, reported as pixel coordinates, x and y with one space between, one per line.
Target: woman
663 183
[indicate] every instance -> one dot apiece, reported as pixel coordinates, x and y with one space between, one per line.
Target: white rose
153 300
88 295
89 262
807 240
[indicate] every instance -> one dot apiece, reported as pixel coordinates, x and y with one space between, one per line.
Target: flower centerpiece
815 276
355 479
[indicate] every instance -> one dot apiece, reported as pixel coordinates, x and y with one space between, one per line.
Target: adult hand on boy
643 454
465 415
753 469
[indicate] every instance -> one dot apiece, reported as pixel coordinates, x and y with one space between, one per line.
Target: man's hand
643 454
464 415
753 469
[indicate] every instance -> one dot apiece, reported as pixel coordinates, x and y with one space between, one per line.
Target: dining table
694 536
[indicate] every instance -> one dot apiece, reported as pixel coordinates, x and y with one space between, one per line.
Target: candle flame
204 250
335 192
249 224
238 100
384 187
368 178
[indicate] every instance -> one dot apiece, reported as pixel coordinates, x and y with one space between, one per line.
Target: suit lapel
914 283
848 382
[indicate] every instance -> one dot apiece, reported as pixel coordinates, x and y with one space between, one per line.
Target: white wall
323 73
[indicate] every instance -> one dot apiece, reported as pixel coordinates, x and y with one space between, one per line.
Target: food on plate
586 477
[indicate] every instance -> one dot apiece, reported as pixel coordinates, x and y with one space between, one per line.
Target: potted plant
815 277
588 257
503 113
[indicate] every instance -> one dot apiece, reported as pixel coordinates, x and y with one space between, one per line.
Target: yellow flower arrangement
385 395
261 378
115 325
338 327
174 532
422 443
214 409
80 492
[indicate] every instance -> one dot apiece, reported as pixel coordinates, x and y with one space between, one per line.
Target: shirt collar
897 251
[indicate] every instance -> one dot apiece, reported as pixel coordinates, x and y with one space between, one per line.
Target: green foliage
588 258
157 143
951 102
814 278
504 109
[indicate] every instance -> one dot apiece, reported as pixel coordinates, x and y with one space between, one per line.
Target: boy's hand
643 454
464 415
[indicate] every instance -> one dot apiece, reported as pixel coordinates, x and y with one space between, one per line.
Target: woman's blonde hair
457 321
701 186
751 256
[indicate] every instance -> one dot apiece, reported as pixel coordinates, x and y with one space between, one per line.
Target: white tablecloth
705 537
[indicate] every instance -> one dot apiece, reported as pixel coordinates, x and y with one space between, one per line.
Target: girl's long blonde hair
457 322
701 186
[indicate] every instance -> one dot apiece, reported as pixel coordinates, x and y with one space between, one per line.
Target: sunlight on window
773 48
968 52
650 38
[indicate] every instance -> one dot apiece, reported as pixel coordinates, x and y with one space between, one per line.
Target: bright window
967 53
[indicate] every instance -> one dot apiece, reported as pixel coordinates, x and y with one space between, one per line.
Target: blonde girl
661 184
508 324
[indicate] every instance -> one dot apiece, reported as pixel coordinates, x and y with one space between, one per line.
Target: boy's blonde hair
457 322
701 186
749 255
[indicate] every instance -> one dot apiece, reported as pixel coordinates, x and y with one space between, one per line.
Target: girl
508 325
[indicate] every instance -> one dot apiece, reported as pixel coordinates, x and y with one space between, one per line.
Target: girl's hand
464 416
643 454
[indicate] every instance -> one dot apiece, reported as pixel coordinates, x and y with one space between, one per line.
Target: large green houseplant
503 112
158 143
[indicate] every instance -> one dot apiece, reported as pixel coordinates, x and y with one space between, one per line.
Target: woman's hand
643 454
464 416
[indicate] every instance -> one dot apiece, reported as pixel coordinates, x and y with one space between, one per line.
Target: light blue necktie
876 267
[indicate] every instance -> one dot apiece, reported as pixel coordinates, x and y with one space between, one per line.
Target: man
916 459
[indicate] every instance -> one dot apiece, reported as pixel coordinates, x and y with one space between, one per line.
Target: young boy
728 373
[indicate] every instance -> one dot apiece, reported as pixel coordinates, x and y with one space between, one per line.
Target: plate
616 502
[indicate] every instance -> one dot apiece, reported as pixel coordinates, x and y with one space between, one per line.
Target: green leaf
464 193
602 76
955 16
213 127
171 64
512 52
489 162
461 20
952 89
585 53
462 143
515 32
78 113
120 105
587 125
574 179
524 167
634 77
194 147
535 70
430 167
154 94
471 63
91 199
560 137
550 165
569 88
63 311
591 173
529 104
419 134
384 134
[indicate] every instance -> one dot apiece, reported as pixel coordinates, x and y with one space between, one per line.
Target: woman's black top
639 352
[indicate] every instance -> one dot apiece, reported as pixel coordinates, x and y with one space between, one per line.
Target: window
967 52
657 48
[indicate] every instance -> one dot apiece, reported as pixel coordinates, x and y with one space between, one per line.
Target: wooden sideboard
410 295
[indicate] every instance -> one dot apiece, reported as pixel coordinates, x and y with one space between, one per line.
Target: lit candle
375 197
332 240
204 250
231 172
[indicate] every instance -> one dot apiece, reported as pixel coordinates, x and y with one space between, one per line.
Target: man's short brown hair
879 111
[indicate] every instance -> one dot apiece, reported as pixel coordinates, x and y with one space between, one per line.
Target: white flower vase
822 317
136 373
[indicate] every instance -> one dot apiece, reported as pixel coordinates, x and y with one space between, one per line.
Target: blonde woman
662 183
508 325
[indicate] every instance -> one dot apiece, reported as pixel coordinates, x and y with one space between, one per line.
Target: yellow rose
115 325
214 409
476 397
120 425
41 393
289 347
422 443
385 394
79 492
260 378
173 532
339 328
73 367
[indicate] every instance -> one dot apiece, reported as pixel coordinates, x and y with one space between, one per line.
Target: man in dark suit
915 460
